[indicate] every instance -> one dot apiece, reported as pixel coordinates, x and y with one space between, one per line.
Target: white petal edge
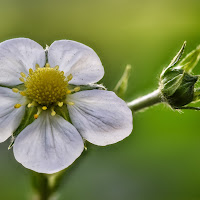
10 117
19 55
76 59
48 145
101 117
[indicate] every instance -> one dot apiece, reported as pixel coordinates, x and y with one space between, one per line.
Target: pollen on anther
17 105
15 90
36 66
56 67
60 104
29 105
70 103
44 108
21 79
76 89
30 71
69 91
36 116
69 77
53 113
22 74
47 65
23 93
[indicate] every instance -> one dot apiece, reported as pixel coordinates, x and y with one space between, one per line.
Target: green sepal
19 87
174 60
196 95
11 143
190 61
26 120
171 81
88 87
63 112
185 92
122 85
177 87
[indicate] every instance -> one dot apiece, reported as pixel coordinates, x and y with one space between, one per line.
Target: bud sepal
177 84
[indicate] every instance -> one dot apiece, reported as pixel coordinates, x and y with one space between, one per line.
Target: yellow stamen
47 65
53 113
32 104
44 108
38 113
29 105
37 66
69 77
76 89
17 105
23 93
46 86
21 79
30 71
56 67
60 104
70 103
23 75
36 116
15 90
69 91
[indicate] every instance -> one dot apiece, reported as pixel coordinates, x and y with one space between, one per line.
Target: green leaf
122 85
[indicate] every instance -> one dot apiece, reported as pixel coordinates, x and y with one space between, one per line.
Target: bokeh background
160 160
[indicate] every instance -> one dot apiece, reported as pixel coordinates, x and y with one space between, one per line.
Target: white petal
10 117
101 117
48 145
76 59
18 55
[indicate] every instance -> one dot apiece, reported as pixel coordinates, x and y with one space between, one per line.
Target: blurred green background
160 160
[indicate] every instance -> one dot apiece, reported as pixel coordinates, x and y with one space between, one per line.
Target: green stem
46 185
145 101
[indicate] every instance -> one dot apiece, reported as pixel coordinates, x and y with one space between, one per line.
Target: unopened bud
176 82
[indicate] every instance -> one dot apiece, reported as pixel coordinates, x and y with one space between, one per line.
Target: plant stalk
145 101
46 185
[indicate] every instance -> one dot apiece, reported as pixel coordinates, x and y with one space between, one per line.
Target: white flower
51 143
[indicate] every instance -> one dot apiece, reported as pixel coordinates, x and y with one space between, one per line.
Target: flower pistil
45 88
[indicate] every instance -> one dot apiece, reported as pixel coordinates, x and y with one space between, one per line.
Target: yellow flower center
45 88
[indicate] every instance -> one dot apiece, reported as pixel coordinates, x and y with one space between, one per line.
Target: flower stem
145 101
46 185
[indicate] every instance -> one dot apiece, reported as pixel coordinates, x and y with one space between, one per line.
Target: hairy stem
145 101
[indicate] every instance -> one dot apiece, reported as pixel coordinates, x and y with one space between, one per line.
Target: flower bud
176 81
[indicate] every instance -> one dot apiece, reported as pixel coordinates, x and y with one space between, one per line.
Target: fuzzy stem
145 101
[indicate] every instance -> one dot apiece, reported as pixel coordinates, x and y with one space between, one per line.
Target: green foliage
191 60
122 85
177 84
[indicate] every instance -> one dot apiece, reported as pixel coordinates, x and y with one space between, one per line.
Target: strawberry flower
50 82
